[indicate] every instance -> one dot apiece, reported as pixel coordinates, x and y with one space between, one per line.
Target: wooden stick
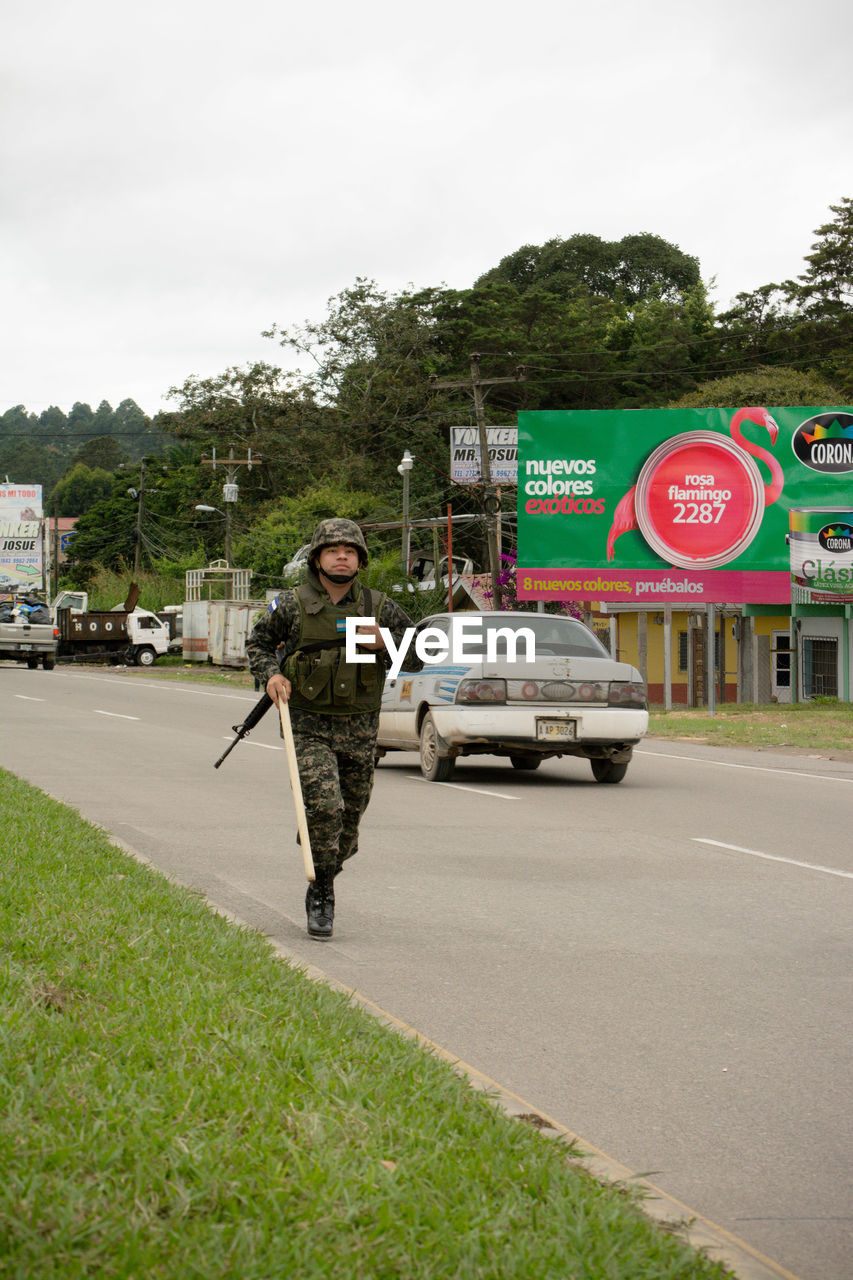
296 788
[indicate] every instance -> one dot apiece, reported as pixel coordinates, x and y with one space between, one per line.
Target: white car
294 567
486 698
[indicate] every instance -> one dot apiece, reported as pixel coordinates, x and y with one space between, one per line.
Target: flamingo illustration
625 515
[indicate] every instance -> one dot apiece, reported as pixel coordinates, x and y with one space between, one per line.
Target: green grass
178 1102
822 725
173 667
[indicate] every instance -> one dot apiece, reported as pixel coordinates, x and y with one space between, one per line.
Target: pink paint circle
699 500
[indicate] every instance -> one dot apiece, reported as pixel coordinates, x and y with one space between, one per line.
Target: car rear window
555 637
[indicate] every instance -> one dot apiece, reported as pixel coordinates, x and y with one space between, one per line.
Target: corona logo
825 443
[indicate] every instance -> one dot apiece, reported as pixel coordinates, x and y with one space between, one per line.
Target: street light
404 466
203 506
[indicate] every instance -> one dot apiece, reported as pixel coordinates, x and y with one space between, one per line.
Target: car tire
145 656
435 768
48 663
608 770
32 663
525 762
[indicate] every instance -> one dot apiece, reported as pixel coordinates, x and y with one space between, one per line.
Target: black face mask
339 578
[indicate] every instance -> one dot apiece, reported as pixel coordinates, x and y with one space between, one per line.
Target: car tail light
627 693
481 691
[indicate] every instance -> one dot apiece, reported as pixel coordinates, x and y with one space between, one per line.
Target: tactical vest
322 679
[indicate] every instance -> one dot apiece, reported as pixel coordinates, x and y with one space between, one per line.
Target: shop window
820 667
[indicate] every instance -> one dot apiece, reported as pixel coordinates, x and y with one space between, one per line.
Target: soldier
297 651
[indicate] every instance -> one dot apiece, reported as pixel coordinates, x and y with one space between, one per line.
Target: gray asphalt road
662 966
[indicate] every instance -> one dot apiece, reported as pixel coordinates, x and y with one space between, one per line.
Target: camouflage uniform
335 751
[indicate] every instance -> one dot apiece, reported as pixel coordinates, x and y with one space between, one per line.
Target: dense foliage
575 323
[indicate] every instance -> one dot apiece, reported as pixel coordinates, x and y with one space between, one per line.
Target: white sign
465 454
21 536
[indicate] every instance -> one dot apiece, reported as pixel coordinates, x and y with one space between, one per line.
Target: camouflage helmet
329 532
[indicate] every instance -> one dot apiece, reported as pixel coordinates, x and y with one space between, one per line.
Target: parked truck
137 638
125 633
28 632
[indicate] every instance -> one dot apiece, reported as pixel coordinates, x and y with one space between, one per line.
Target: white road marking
267 746
480 791
758 768
116 715
772 857
24 698
169 686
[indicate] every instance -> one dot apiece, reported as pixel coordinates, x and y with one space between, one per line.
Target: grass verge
178 1102
822 725
173 667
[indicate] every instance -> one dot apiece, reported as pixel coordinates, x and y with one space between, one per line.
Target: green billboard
673 505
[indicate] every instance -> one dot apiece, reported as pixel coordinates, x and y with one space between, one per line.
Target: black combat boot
320 905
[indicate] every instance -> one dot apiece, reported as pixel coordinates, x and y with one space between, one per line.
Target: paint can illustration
821 542
700 497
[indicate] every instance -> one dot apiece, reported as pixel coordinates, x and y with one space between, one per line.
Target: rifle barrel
257 713
230 747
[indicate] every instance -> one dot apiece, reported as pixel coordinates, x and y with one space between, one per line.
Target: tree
53 423
629 270
277 536
103 452
765 385
372 357
826 286
80 420
17 424
104 535
663 350
103 420
27 463
258 408
805 323
79 489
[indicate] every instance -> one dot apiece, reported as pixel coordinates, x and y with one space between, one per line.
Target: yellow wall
628 647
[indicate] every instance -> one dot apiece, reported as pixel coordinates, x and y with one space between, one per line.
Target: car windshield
554 637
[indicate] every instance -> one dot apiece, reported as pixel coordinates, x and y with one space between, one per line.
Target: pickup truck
423 569
27 630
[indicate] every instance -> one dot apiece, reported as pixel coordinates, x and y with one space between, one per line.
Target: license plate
25 646
556 730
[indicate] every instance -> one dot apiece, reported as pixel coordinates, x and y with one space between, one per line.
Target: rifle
259 710
262 706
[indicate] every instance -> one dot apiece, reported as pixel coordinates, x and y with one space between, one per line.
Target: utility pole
230 489
138 539
54 559
491 500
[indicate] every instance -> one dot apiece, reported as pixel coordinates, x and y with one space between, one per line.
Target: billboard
21 536
673 505
465 454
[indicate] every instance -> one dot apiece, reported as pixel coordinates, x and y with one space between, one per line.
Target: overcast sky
175 177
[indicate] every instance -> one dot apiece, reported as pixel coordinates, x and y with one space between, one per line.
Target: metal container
821 542
195 639
216 630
